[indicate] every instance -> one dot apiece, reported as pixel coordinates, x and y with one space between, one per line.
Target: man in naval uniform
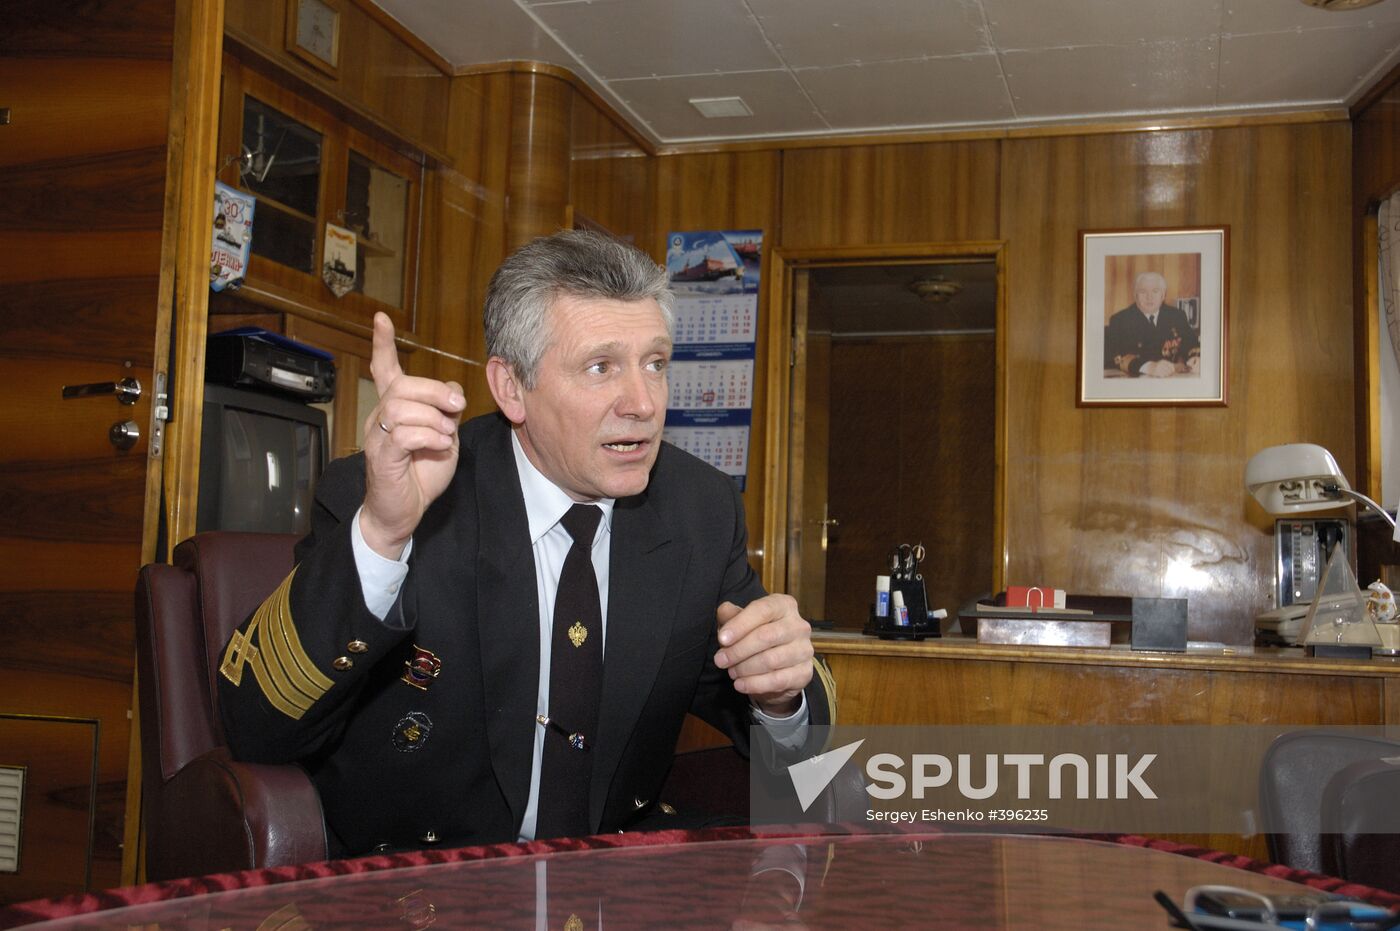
407 661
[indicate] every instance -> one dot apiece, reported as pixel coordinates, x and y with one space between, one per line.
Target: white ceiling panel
641 38
472 33
932 92
1027 24
813 66
1157 76
1248 16
818 33
1326 63
776 100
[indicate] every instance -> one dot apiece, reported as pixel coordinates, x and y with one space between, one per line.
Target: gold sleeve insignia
270 647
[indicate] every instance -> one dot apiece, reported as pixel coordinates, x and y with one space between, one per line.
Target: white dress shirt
545 503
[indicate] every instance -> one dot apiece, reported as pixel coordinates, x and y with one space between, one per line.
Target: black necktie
575 681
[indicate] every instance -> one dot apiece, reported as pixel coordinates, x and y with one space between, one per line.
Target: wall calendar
715 275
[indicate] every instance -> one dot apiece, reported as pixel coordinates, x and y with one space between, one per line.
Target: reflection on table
929 880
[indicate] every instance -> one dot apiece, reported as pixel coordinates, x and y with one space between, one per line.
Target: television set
260 457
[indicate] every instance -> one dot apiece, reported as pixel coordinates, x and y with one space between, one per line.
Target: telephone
1301 546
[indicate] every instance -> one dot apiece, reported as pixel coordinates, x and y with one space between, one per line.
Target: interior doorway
893 428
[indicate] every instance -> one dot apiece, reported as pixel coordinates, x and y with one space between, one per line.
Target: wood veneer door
82 183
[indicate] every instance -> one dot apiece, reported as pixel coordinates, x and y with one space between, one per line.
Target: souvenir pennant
338 266
233 237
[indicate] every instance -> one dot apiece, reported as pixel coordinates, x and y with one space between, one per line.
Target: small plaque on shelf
1044 631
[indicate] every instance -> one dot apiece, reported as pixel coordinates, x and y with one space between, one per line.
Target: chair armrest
219 815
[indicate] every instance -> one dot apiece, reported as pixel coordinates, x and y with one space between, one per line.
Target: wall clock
313 32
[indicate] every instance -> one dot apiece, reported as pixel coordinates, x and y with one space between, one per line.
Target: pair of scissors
905 560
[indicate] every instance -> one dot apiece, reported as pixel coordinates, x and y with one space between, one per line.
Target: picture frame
1174 351
313 33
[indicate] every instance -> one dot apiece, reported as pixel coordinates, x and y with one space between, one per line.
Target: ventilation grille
713 107
11 804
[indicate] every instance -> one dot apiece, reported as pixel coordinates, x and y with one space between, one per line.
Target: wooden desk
959 681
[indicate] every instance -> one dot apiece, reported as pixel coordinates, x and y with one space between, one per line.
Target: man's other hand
767 649
410 446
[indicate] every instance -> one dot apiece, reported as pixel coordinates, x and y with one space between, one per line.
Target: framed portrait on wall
1153 320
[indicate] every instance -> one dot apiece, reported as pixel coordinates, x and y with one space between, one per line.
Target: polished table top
847 881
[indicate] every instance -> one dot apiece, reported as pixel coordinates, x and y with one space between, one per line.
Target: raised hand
767 648
410 446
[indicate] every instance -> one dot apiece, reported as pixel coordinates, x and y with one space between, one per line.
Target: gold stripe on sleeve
282 642
285 674
272 685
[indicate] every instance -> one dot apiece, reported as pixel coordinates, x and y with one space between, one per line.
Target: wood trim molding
183 303
274 299
1378 90
646 144
1369 358
1144 124
783 262
194 128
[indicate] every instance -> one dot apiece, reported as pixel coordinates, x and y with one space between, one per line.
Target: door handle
128 390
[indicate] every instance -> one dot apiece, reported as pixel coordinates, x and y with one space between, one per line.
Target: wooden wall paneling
1149 501
467 240
1375 175
81 262
392 80
611 180
737 191
863 195
1376 145
537 186
378 72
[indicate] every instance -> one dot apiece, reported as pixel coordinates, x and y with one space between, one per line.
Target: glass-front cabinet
309 168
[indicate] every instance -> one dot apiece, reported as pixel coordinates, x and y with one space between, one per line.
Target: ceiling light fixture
712 107
934 289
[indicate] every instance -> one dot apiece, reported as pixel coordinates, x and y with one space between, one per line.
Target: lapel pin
422 668
412 731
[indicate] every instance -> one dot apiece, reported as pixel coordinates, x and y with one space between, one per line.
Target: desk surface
1247 659
944 880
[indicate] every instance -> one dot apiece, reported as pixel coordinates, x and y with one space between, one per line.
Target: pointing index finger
384 358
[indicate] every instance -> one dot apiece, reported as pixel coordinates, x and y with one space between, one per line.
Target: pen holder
920 625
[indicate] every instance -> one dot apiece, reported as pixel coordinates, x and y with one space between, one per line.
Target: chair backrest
1293 777
1359 809
184 614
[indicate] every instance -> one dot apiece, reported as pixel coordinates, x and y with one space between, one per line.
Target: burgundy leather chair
204 811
